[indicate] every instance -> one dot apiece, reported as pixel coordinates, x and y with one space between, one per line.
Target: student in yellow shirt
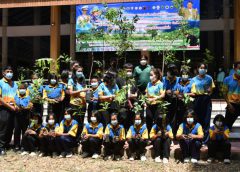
137 137
161 135
47 137
219 140
190 135
67 134
30 140
114 139
92 137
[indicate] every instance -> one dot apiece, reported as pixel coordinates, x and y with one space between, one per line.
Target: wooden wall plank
36 3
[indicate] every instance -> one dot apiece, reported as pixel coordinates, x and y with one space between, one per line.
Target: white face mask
114 122
190 120
67 117
143 62
94 84
51 121
138 121
129 74
218 123
93 119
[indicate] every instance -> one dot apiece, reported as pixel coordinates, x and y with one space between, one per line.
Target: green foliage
151 31
35 94
187 100
177 3
208 57
42 66
121 31
63 59
169 57
121 96
105 106
78 110
186 65
163 105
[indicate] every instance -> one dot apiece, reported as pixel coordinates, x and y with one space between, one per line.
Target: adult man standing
231 87
8 90
142 74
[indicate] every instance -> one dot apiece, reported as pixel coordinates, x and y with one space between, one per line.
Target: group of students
118 126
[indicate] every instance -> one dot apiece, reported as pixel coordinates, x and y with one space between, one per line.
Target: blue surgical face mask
9 75
79 74
22 91
67 117
53 81
202 71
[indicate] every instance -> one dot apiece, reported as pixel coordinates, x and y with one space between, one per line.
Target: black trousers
162 147
230 117
6 126
190 148
203 110
21 122
113 148
92 145
172 115
223 146
137 146
47 144
151 114
30 142
65 143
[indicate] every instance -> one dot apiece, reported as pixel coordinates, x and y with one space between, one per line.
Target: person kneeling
114 139
92 137
161 135
190 135
137 137
47 137
30 138
67 134
219 140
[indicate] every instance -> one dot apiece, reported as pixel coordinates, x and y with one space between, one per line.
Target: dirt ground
13 162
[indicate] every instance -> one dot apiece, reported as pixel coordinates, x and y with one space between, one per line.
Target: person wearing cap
83 21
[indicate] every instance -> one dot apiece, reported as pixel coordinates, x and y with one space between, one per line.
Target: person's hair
50 114
186 72
109 76
38 115
34 74
96 114
143 56
74 77
69 110
190 2
7 68
94 77
64 74
128 66
157 72
73 62
52 76
191 112
141 116
219 117
172 68
200 64
22 86
235 65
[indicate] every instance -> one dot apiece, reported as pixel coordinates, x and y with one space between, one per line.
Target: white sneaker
24 153
186 160
143 158
158 159
54 154
32 154
194 160
210 160
226 161
165 160
131 158
41 154
69 155
63 154
95 156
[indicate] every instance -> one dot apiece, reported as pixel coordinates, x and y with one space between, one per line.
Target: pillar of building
72 31
4 37
36 39
237 30
55 37
226 34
